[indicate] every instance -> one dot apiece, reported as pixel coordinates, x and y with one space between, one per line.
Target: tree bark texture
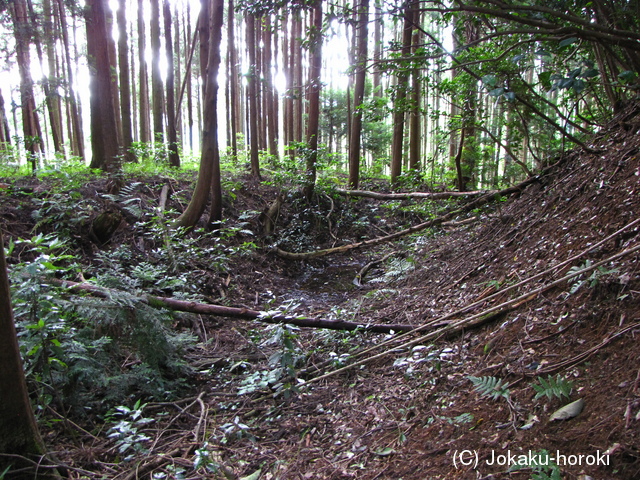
33 140
172 133
104 143
157 89
18 430
145 117
77 133
315 85
125 85
252 79
400 103
209 172
358 93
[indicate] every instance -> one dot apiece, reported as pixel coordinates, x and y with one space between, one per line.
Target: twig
584 355
473 305
174 419
482 317
203 416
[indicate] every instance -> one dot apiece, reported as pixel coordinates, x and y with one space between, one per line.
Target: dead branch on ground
484 199
242 313
407 196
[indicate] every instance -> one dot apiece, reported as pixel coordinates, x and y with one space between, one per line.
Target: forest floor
406 407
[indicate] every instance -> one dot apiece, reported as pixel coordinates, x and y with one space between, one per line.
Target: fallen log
235 312
407 196
484 199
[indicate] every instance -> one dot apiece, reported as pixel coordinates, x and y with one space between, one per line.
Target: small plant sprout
126 431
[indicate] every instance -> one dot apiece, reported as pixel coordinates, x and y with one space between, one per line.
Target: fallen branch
407 196
581 357
443 320
472 321
242 313
484 199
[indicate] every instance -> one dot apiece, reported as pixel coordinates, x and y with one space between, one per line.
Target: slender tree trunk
233 79
104 138
115 88
209 173
77 143
299 80
189 75
5 133
401 96
358 95
177 72
286 63
125 87
133 79
174 158
145 117
51 81
157 89
30 123
260 90
416 95
377 49
253 97
315 85
269 94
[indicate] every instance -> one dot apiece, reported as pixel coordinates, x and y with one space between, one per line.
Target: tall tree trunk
253 96
125 87
115 88
18 430
209 173
397 142
77 142
174 158
104 138
315 70
51 81
269 94
30 123
5 133
188 77
145 117
358 94
177 72
233 79
377 49
415 134
470 151
259 73
157 89
298 78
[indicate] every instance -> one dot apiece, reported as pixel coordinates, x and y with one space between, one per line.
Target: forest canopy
456 94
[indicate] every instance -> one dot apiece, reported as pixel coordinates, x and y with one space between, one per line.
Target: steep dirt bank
411 413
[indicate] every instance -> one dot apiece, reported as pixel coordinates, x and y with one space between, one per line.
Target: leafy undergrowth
237 399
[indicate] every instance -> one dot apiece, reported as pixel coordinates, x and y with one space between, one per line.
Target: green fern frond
491 387
553 387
